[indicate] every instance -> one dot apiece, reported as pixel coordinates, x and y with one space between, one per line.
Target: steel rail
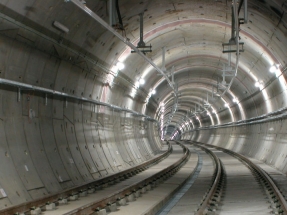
215 183
267 178
54 198
90 209
259 170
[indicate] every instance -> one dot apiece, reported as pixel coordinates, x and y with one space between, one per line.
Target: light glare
273 69
120 65
137 84
115 69
235 100
142 81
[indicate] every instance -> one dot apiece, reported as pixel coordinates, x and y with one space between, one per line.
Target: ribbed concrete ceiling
191 31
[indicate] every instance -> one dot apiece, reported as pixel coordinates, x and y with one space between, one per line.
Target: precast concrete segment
42 202
100 194
152 202
188 204
243 193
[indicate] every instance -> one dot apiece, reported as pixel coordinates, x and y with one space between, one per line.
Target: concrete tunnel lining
46 148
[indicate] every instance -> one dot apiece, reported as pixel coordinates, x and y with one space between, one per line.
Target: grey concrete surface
242 193
188 204
48 145
99 194
152 201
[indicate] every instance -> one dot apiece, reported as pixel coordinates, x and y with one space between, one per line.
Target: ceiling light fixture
142 81
259 84
120 65
235 100
153 92
115 69
274 68
61 27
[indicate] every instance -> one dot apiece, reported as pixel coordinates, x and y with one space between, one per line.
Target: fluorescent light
226 105
235 100
61 27
273 69
259 84
115 69
142 81
137 84
153 92
120 65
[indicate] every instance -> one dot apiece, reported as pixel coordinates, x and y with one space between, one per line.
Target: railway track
256 191
107 193
216 188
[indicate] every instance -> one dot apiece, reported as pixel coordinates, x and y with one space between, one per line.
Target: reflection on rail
114 198
134 189
212 197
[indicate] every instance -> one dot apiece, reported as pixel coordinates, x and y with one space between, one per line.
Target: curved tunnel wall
46 148
264 141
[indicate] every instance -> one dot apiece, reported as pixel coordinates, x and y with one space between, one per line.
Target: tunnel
93 88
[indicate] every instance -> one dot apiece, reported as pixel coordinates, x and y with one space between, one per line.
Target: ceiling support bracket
141 44
119 36
112 12
234 45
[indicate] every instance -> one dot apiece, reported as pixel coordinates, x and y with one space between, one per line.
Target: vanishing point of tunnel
143 107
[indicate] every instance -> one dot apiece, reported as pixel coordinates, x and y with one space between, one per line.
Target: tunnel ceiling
191 31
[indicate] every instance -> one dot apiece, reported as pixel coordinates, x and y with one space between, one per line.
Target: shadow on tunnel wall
47 147
265 141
